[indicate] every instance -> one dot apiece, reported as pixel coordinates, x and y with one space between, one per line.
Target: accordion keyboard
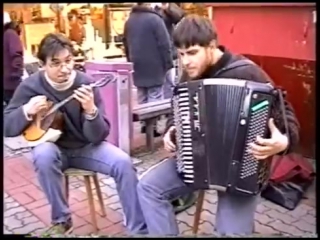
181 109
256 128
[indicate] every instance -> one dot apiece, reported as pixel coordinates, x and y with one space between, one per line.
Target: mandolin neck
65 101
100 83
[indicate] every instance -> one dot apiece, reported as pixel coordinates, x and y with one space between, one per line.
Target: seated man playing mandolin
84 128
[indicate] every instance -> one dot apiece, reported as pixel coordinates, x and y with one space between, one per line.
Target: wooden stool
87 174
197 214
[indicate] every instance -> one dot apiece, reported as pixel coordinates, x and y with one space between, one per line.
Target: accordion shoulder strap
235 64
284 116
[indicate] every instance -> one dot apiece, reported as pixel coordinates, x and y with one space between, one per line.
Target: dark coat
171 16
254 73
147 46
12 58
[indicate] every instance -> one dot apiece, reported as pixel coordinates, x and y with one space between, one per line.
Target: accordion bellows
215 121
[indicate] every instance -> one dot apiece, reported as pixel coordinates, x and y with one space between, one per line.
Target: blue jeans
50 162
169 83
235 214
149 94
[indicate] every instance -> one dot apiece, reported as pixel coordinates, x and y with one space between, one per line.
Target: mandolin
50 119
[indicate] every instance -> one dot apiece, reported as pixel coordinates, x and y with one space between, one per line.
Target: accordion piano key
186 149
181 109
186 144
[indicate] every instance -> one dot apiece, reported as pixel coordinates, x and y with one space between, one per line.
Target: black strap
233 65
283 110
281 94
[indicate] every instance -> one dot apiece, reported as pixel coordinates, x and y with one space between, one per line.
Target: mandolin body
39 126
33 133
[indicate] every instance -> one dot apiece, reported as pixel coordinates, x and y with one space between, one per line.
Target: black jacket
147 46
12 57
253 73
171 16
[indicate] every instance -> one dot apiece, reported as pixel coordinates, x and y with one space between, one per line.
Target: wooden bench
149 113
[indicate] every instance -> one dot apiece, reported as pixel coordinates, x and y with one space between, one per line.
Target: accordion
216 120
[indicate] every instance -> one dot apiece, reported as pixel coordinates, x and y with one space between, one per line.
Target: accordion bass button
242 122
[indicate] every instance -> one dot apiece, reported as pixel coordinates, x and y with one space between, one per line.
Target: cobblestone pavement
26 210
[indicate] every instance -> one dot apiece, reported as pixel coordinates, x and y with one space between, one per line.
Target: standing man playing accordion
201 58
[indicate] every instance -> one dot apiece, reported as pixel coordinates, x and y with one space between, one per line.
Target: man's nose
64 68
185 61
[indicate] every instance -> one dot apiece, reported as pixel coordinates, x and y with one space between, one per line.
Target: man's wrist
92 113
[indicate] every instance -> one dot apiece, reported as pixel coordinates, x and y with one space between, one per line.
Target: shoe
184 202
58 229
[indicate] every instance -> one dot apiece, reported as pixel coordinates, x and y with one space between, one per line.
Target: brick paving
26 210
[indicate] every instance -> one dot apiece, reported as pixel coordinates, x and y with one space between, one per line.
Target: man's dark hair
51 44
194 30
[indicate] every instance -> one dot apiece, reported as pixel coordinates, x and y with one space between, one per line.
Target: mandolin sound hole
54 121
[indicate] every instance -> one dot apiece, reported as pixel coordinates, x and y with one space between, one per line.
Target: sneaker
184 202
58 229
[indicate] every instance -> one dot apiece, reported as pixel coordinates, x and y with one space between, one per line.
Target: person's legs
156 187
49 164
154 93
169 84
235 214
146 95
107 159
142 95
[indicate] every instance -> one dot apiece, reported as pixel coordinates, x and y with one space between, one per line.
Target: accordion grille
256 128
181 109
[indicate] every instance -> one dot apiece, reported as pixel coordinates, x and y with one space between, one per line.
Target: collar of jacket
143 9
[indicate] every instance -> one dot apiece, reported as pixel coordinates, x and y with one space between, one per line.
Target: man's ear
213 44
41 63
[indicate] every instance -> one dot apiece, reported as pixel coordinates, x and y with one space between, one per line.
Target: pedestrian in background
12 57
171 14
147 45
